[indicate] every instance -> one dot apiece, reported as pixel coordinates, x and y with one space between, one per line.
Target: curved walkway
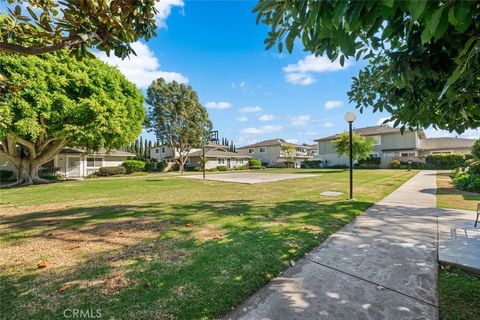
383 265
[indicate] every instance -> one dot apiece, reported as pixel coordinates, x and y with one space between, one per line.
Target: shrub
244 167
338 166
473 166
370 161
132 166
193 168
476 149
139 173
48 173
447 161
467 181
6 175
222 168
161 166
312 164
111 171
395 164
254 163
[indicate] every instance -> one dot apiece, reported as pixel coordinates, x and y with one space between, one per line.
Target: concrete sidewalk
383 265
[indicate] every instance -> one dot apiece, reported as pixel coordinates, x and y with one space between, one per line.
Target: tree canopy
423 56
362 146
64 102
39 26
177 117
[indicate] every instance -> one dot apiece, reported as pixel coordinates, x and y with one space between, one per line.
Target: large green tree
424 56
362 146
64 102
177 117
36 27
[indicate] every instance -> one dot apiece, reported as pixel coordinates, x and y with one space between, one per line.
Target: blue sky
251 94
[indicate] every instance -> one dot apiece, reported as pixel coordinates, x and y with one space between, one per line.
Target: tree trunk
28 174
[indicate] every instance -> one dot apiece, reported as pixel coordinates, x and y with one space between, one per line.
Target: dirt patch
209 232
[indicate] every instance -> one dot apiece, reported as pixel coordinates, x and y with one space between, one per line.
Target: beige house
216 155
77 163
270 152
391 144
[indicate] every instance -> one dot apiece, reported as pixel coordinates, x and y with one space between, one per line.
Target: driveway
252 177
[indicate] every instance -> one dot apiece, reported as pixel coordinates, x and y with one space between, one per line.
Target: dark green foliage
222 168
312 164
111 171
476 149
473 166
423 56
6 175
338 166
133 166
371 160
161 166
446 161
466 180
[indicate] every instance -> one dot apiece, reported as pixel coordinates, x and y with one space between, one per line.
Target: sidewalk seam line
371 282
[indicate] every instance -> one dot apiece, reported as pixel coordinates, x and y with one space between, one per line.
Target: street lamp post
350 118
213 138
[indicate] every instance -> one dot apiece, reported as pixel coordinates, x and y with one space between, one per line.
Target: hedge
111 171
312 164
133 165
253 163
222 168
370 161
467 181
447 160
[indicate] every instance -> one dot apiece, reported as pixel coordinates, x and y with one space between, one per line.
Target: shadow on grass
175 274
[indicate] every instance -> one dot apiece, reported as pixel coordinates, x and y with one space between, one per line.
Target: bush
193 168
111 171
161 166
370 161
6 175
338 166
222 168
48 173
244 167
447 161
473 166
467 181
254 163
312 164
395 164
132 166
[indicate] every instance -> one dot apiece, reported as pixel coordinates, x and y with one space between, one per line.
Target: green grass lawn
450 197
164 247
459 295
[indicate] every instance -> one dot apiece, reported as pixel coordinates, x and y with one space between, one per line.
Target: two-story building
215 154
271 152
391 144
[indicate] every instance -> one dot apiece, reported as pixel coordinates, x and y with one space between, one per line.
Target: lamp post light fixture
350 117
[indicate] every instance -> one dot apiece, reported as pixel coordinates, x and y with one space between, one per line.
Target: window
157 150
94 162
263 150
408 154
251 150
389 154
374 155
441 152
378 140
221 160
163 149
239 161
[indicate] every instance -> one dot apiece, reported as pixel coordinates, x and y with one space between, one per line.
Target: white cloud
382 120
300 72
266 117
251 109
143 68
221 105
332 104
292 140
300 120
261 130
242 119
328 125
164 8
468 134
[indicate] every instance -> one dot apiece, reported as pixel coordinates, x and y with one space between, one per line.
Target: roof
367 131
101 152
217 153
446 143
273 142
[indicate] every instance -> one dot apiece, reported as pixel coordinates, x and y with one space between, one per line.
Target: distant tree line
141 147
231 146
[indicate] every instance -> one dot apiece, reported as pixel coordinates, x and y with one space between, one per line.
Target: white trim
251 150
442 152
264 150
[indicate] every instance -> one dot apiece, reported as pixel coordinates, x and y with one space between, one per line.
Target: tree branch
37 50
50 152
30 145
10 158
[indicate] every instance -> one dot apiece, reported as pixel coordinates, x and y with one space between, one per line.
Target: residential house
216 155
78 163
270 152
391 144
